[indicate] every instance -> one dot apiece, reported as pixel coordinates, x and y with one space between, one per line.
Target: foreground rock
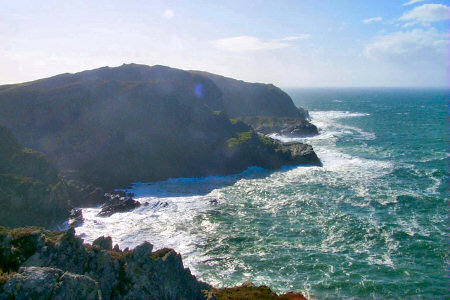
39 264
117 202
50 283
290 127
64 263
248 291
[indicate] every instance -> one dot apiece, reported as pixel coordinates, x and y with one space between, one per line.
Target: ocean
371 223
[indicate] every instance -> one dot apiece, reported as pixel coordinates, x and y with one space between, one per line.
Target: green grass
240 139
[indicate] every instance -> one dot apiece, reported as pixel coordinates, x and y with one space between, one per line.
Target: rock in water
76 217
117 202
301 153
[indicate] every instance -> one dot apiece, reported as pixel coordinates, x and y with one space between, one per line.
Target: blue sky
288 43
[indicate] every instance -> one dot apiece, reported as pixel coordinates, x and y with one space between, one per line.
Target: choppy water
371 223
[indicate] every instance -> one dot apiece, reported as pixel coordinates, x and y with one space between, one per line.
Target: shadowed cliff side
31 192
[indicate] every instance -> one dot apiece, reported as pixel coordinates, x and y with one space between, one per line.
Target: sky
297 43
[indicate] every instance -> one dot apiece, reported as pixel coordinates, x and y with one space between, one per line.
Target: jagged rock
143 251
117 202
300 129
49 283
104 243
301 153
76 217
137 274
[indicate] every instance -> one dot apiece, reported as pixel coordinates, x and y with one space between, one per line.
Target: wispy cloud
408 47
411 2
426 14
372 20
245 43
168 14
295 37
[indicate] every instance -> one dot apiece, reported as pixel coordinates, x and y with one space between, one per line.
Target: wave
336 114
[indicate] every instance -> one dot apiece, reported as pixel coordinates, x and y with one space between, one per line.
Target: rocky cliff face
38 264
58 264
31 192
112 126
291 127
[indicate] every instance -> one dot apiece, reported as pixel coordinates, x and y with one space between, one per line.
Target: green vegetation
241 138
159 254
32 192
248 291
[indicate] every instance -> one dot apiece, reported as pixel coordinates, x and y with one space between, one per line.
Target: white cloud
409 47
426 14
411 2
296 37
168 14
245 43
372 20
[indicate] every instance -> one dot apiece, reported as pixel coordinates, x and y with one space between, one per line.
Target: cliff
31 191
112 126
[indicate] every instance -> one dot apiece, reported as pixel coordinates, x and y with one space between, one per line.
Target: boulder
117 202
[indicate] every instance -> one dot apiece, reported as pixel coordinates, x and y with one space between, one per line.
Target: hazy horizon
291 44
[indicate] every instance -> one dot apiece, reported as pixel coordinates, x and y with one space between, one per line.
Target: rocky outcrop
49 283
248 291
53 264
39 264
301 153
118 202
112 126
290 127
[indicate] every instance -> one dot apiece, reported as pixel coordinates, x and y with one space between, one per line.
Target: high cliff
112 126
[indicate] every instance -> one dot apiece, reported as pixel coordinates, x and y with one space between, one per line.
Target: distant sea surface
371 223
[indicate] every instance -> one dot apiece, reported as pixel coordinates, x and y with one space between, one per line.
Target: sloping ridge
245 99
113 126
